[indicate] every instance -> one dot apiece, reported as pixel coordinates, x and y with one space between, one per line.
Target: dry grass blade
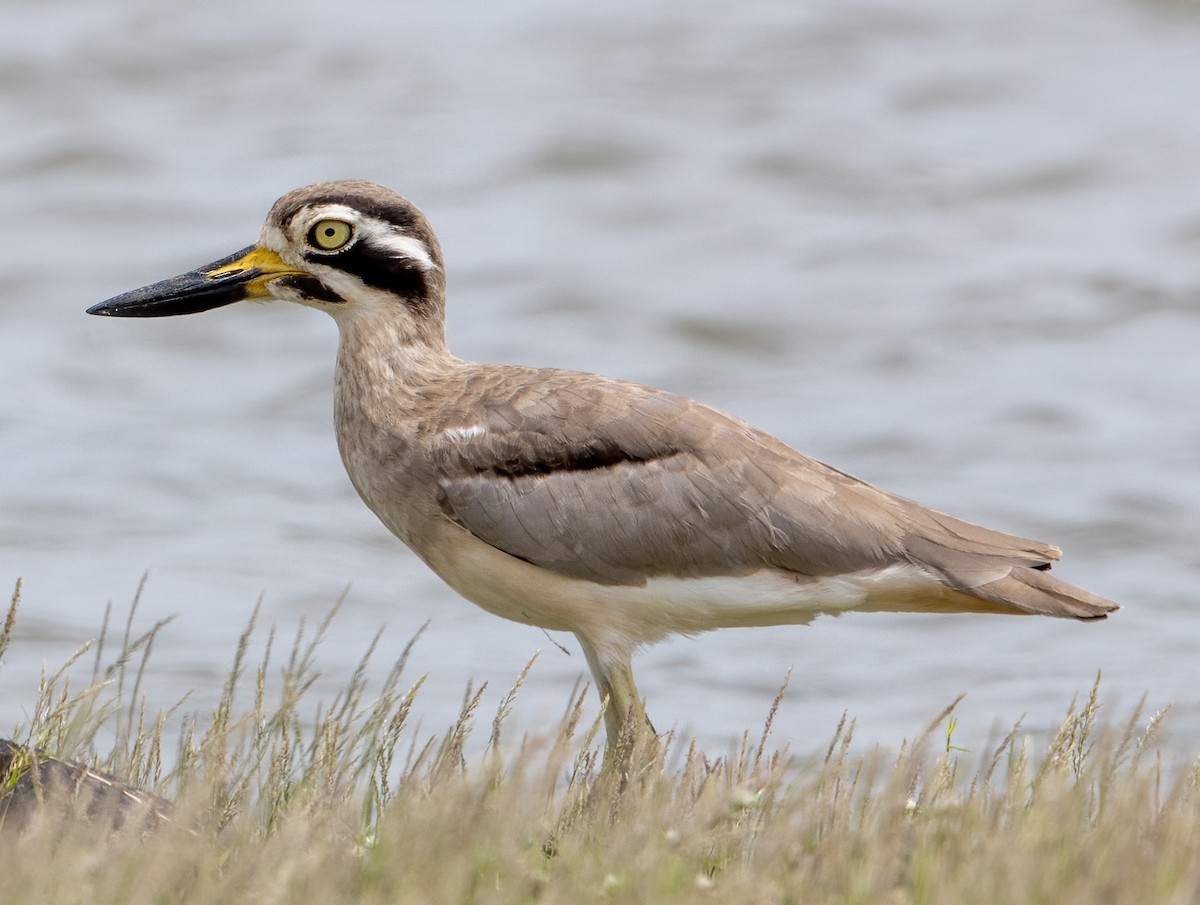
10 619
278 801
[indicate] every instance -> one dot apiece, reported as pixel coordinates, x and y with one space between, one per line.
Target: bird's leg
629 732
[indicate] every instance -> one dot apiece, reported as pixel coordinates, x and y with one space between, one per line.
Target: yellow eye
330 235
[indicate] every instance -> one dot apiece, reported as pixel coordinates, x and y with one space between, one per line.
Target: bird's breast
381 453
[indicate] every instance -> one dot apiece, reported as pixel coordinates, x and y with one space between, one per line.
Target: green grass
282 800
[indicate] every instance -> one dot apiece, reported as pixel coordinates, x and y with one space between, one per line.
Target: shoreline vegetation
277 799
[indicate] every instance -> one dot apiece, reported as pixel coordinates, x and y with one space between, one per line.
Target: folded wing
611 482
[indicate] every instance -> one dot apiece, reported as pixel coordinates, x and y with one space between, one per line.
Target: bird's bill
242 275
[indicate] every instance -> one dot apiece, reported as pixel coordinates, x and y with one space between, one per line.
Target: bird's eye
330 235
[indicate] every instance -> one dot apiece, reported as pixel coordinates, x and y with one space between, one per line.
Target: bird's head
349 248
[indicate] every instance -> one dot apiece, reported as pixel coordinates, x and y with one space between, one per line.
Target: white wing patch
462 434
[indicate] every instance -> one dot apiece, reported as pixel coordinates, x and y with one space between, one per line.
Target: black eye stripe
310 288
379 269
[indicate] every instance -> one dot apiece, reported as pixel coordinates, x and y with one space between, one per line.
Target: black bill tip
198 290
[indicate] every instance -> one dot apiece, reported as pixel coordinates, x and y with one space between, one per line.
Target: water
951 248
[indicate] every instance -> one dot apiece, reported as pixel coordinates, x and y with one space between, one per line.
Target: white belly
624 617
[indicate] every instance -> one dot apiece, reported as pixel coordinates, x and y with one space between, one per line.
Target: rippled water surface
951 248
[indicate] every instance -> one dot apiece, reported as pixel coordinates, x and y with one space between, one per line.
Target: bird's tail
996 572
1037 592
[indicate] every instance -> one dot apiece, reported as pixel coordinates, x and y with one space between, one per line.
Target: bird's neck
384 364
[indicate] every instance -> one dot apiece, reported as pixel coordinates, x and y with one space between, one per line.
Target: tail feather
999 568
1035 591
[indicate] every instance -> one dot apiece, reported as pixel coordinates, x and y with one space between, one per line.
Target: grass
282 800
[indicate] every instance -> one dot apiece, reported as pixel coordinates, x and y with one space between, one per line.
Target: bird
581 503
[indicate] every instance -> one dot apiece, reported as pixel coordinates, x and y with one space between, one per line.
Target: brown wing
611 481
